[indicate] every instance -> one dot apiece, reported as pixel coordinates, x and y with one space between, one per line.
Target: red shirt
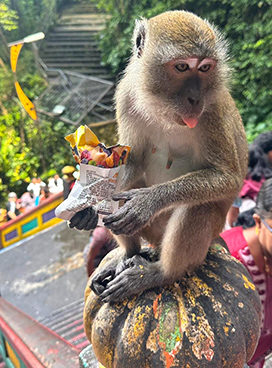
235 240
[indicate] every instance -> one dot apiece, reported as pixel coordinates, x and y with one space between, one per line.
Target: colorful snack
88 150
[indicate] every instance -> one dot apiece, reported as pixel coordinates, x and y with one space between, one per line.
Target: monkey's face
180 67
187 87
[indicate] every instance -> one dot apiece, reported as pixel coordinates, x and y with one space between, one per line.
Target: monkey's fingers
117 290
89 221
100 281
76 219
122 196
84 220
92 224
127 224
115 216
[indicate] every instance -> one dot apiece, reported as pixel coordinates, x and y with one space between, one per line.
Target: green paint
169 338
30 225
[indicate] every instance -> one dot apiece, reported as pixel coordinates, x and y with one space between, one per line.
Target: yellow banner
28 105
14 54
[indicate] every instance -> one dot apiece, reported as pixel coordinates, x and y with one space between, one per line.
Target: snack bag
100 175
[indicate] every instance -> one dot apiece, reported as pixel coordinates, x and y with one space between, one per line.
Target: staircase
78 82
71 44
68 323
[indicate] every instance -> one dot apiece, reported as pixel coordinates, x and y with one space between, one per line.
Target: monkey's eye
182 67
205 68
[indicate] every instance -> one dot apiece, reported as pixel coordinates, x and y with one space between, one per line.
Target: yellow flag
28 105
14 54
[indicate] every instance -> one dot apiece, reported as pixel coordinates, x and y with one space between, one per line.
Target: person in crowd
27 201
101 243
45 194
12 207
36 185
258 171
253 247
68 180
264 141
55 184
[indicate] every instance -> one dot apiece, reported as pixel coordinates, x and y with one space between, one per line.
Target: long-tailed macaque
188 152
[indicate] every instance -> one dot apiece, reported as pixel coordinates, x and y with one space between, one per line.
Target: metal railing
71 96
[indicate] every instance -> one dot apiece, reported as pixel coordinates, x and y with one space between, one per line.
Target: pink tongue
190 122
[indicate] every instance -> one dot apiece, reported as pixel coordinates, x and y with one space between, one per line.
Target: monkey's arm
198 187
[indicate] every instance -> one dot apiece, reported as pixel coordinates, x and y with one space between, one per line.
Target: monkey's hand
102 277
140 206
139 275
84 220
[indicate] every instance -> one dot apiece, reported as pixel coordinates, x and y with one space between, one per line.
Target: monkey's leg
188 235
130 246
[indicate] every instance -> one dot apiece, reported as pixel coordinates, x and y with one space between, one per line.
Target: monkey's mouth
189 122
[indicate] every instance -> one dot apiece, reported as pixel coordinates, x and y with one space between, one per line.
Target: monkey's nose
192 101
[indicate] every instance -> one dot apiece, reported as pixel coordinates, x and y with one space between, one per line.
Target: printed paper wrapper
94 189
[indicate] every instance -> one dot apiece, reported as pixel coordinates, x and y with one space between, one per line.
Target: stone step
68 323
94 67
70 43
89 59
86 15
70 52
79 27
91 36
82 9
58 315
81 20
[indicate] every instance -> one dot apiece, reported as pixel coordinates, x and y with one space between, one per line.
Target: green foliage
27 148
8 17
246 23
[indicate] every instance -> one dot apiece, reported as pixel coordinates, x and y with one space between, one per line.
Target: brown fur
180 209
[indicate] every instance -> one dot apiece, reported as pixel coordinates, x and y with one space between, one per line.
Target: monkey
188 154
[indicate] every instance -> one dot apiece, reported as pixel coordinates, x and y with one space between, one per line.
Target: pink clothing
239 249
27 202
251 188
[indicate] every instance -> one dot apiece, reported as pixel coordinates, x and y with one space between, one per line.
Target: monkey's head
178 66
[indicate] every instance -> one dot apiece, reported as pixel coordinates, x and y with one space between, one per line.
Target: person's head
12 197
264 141
45 191
245 219
38 180
258 167
34 180
263 216
56 176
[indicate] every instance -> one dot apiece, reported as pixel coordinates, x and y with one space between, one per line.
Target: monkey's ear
139 36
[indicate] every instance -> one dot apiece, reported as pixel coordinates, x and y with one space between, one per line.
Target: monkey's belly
160 169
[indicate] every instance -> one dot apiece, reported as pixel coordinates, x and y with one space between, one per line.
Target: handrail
24 339
33 210
31 222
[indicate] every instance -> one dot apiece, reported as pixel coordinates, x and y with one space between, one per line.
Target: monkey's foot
138 275
101 278
150 254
